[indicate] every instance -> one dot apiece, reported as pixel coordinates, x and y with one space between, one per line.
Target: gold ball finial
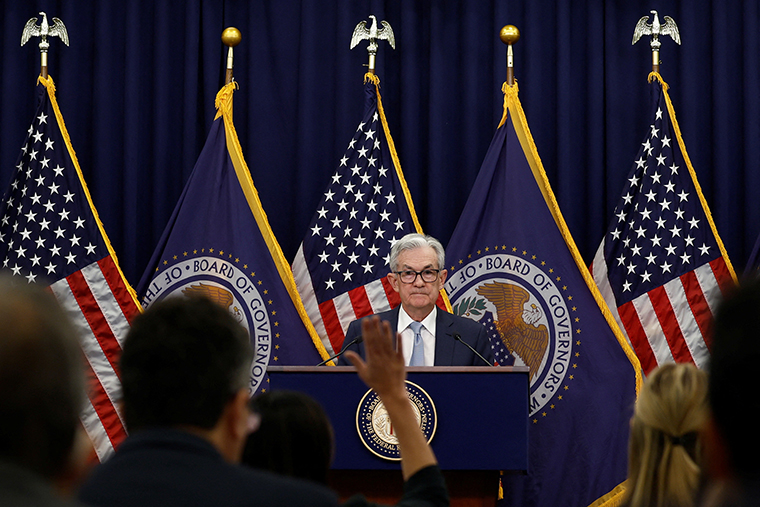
231 36
509 34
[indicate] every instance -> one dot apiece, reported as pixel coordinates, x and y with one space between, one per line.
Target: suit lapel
392 317
444 341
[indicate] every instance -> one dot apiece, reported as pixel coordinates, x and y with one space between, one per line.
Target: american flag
661 266
50 234
341 266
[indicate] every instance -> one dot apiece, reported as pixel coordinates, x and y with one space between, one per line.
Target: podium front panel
481 413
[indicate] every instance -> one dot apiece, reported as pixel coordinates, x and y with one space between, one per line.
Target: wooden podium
481 427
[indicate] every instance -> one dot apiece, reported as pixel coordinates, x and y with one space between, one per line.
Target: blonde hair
664 448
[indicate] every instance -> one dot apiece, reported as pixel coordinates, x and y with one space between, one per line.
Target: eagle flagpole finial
43 31
372 34
655 29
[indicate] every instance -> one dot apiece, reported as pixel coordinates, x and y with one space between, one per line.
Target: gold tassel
369 76
223 102
510 93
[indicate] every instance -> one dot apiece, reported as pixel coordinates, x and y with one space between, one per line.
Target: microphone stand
459 339
358 339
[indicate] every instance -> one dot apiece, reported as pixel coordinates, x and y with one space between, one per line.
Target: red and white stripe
331 318
671 322
101 308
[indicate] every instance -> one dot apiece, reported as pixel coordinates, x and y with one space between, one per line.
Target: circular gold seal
376 429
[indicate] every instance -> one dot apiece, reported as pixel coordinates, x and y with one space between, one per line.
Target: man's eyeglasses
409 276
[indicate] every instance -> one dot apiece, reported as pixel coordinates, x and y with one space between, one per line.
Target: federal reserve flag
515 268
662 267
218 243
50 234
753 263
341 266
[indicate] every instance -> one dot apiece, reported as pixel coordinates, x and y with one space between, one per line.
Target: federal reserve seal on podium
376 430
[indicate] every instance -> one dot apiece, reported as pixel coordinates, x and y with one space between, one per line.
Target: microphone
460 340
358 339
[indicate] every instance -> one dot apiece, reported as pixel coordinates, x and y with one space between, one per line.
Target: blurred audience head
183 362
665 449
734 360
41 380
294 438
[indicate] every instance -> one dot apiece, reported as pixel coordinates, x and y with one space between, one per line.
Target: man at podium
430 336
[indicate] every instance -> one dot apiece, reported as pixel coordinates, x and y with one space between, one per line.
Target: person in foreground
731 444
665 448
430 335
296 438
185 370
41 395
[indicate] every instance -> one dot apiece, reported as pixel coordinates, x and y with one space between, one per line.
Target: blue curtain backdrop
138 82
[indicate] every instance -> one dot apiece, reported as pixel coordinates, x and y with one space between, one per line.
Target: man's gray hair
415 240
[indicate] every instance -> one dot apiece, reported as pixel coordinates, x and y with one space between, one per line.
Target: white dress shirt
427 332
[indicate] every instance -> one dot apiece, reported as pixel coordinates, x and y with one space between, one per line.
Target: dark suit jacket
163 467
20 487
426 488
448 352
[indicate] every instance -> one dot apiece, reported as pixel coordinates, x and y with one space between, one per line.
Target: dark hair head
41 382
295 437
183 360
734 358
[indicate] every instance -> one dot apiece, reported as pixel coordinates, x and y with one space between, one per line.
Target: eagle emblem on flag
519 327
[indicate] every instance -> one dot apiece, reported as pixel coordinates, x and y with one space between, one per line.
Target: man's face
418 298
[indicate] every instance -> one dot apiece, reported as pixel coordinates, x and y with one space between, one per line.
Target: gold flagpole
509 35
231 37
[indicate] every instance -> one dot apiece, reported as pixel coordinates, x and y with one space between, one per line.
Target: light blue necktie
418 350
